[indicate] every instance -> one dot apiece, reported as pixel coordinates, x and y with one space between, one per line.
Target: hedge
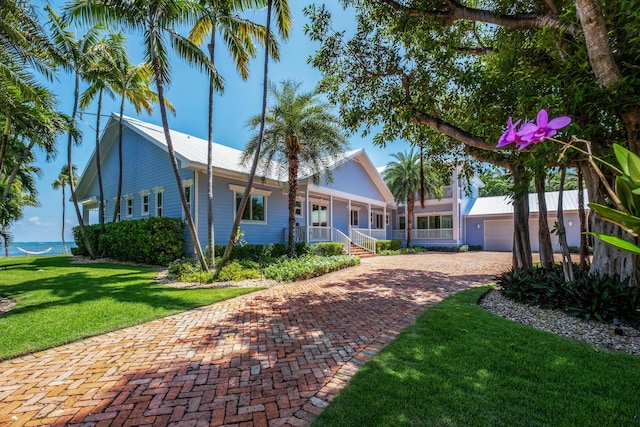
154 240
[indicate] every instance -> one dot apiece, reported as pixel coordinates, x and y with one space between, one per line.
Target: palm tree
101 75
134 85
238 34
158 20
409 175
283 16
74 56
300 132
61 182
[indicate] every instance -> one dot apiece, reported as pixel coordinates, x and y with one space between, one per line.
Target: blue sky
188 93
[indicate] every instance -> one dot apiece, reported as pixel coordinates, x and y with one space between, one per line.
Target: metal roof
499 205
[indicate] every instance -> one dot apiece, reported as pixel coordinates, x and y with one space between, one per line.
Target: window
298 211
379 221
354 218
129 206
387 220
145 204
319 215
435 222
256 209
159 200
402 222
187 195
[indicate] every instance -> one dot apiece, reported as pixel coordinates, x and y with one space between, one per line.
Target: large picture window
256 209
435 222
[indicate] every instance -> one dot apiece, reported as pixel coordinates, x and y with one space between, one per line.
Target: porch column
456 220
349 209
331 211
384 220
369 219
306 204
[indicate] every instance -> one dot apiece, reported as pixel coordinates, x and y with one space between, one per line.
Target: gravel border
623 338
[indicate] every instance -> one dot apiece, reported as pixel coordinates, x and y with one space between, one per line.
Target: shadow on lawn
82 283
267 359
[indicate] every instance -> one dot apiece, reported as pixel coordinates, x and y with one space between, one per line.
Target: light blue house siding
350 175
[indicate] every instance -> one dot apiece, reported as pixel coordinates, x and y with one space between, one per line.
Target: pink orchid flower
533 133
510 135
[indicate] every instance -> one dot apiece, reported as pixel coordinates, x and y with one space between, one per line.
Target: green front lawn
459 365
58 301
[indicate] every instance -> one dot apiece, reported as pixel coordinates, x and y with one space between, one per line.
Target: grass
459 365
59 302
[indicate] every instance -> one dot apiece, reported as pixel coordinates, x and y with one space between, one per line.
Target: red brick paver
271 358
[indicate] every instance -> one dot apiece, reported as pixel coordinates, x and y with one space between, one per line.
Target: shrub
188 270
475 247
463 248
262 254
588 296
236 270
308 266
388 245
154 240
328 248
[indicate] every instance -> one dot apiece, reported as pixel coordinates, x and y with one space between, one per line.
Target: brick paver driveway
274 357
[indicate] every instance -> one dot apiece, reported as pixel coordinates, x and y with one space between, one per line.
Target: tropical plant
283 17
239 35
61 182
158 20
102 73
301 132
407 176
74 55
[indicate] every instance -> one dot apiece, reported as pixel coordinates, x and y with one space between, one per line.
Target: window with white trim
144 207
298 211
128 205
159 192
354 218
435 222
376 220
402 222
319 215
256 209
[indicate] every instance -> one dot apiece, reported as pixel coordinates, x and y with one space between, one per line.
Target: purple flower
532 133
510 135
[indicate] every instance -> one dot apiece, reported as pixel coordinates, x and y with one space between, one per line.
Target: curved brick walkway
274 357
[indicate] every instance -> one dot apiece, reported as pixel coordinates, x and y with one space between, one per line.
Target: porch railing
340 237
436 234
364 241
374 233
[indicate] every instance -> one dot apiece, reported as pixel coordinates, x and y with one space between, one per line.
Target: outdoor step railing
364 241
340 237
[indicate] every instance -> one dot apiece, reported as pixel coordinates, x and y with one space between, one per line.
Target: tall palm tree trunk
101 212
16 169
410 205
64 207
256 157
174 164
293 191
72 187
116 208
210 231
5 139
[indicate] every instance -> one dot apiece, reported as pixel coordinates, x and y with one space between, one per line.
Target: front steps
360 252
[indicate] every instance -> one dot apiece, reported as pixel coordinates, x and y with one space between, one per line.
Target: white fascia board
344 195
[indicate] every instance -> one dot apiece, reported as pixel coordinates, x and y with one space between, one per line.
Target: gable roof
500 205
191 153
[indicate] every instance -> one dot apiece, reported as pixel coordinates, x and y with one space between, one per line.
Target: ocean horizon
56 248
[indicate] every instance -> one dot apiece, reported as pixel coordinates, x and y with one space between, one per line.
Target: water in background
56 248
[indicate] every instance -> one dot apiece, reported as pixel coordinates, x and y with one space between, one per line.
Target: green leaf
615 214
624 188
634 168
617 242
622 154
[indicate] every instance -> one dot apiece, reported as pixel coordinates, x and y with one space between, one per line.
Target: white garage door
498 235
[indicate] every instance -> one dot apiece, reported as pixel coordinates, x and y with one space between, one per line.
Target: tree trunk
210 231
16 169
584 251
174 165
116 208
544 235
521 240
101 212
5 139
64 244
567 266
293 192
410 206
72 187
256 156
